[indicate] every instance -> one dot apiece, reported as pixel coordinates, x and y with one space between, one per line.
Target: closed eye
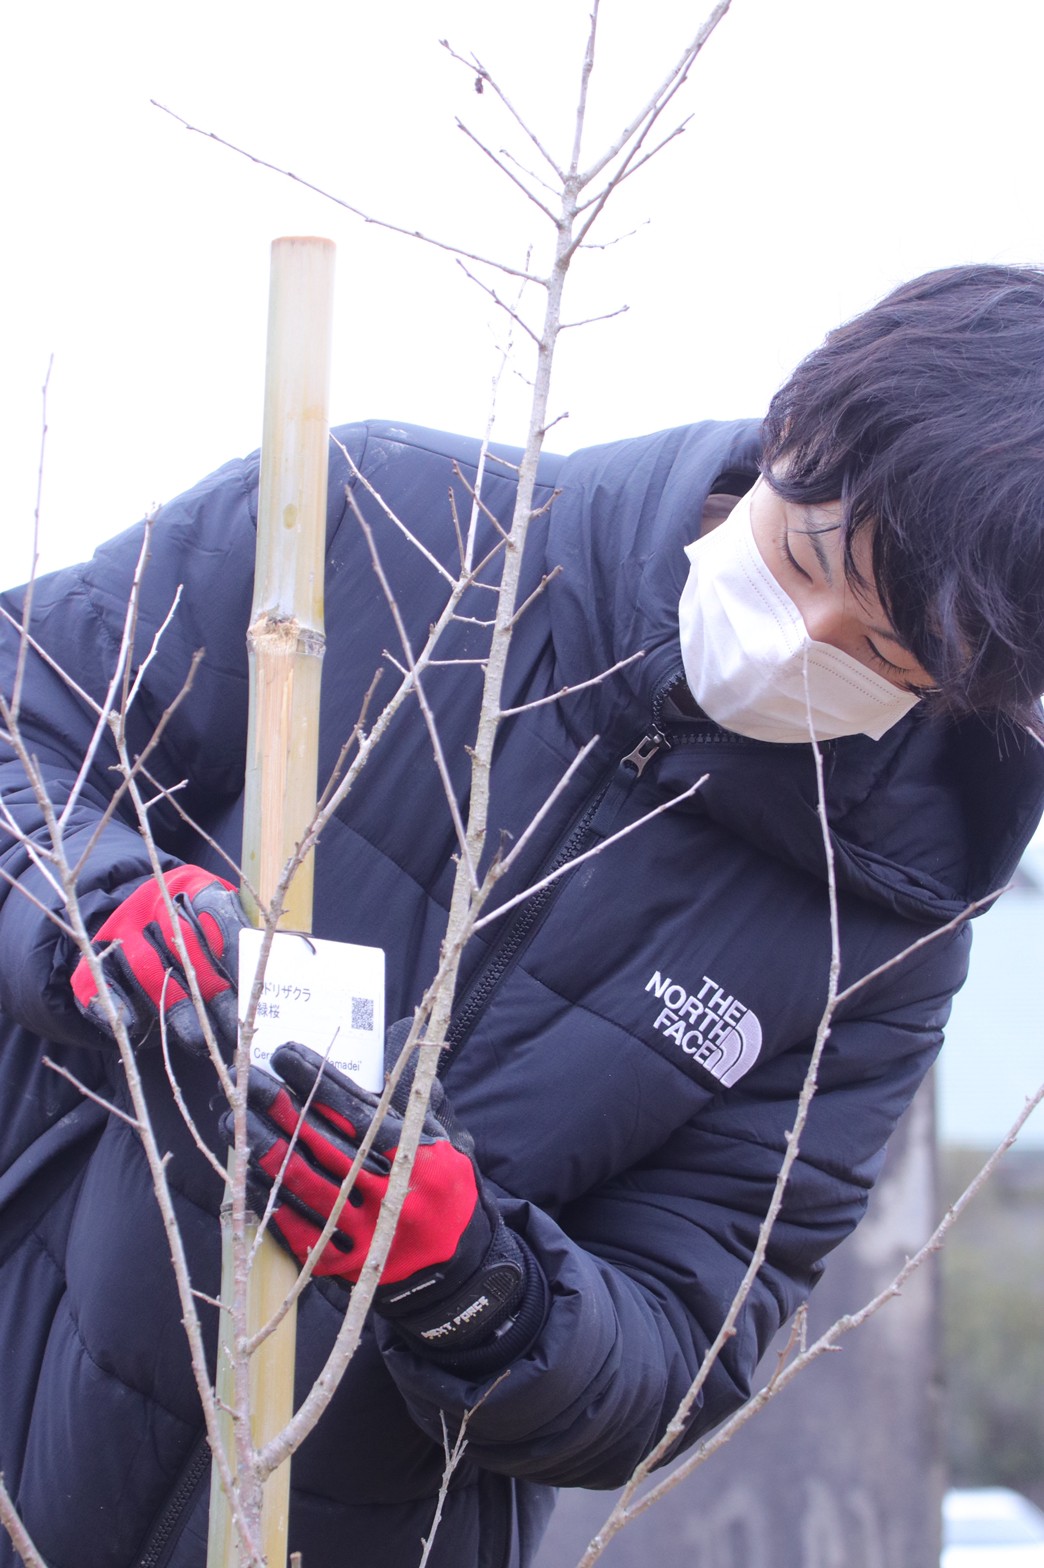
789 556
895 672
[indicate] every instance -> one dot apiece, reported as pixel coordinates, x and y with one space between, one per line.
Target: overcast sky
834 148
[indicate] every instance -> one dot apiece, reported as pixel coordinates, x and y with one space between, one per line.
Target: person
628 1044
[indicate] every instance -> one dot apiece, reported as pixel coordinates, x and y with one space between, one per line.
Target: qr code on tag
362 1012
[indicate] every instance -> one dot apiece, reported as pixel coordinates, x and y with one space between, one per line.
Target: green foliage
992 1281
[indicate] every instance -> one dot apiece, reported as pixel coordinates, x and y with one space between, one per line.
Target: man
627 1048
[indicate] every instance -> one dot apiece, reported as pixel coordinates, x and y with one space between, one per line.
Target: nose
823 623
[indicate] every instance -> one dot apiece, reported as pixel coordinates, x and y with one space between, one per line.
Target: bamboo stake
285 642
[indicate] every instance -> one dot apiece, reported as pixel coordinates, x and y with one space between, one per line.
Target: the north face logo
708 1025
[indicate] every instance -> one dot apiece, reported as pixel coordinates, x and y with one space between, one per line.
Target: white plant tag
326 995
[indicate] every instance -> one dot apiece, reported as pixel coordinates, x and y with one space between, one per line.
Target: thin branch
429 718
617 240
52 664
20 1538
358 731
465 899
629 168
675 1429
827 1341
505 152
659 100
396 664
170 797
89 1094
454 1454
589 854
798 1335
538 591
479 508
504 863
175 1088
50 864
139 675
103 715
486 456
513 468
475 65
573 182
588 321
457 585
447 664
27 608
357 212
157 1164
498 161
132 769
451 496
375 494
640 128
568 691
122 659
495 297
922 941
30 897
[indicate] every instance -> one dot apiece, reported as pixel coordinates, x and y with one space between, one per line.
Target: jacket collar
925 821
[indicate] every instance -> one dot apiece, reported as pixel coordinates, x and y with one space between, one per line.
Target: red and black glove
144 970
456 1279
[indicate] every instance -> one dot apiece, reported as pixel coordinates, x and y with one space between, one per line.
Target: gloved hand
455 1277
144 969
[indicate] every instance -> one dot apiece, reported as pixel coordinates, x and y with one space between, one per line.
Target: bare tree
570 194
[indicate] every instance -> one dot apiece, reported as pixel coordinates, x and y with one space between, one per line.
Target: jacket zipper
163 1536
597 819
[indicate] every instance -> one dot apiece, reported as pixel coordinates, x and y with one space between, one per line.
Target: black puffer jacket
627 1051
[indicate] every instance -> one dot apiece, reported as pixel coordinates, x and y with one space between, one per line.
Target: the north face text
708 1024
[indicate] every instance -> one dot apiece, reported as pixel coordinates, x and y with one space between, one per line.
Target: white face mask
750 663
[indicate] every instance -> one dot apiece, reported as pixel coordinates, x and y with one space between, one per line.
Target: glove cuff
489 1320
471 1309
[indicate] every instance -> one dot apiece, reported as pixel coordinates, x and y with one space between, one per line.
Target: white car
991 1527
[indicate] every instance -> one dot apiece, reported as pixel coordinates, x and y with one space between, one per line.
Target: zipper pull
652 741
626 774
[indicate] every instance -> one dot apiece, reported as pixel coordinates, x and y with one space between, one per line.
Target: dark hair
925 418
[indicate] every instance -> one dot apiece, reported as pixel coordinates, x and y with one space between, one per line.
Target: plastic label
326 995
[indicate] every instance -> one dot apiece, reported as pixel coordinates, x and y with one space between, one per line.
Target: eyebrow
820 553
